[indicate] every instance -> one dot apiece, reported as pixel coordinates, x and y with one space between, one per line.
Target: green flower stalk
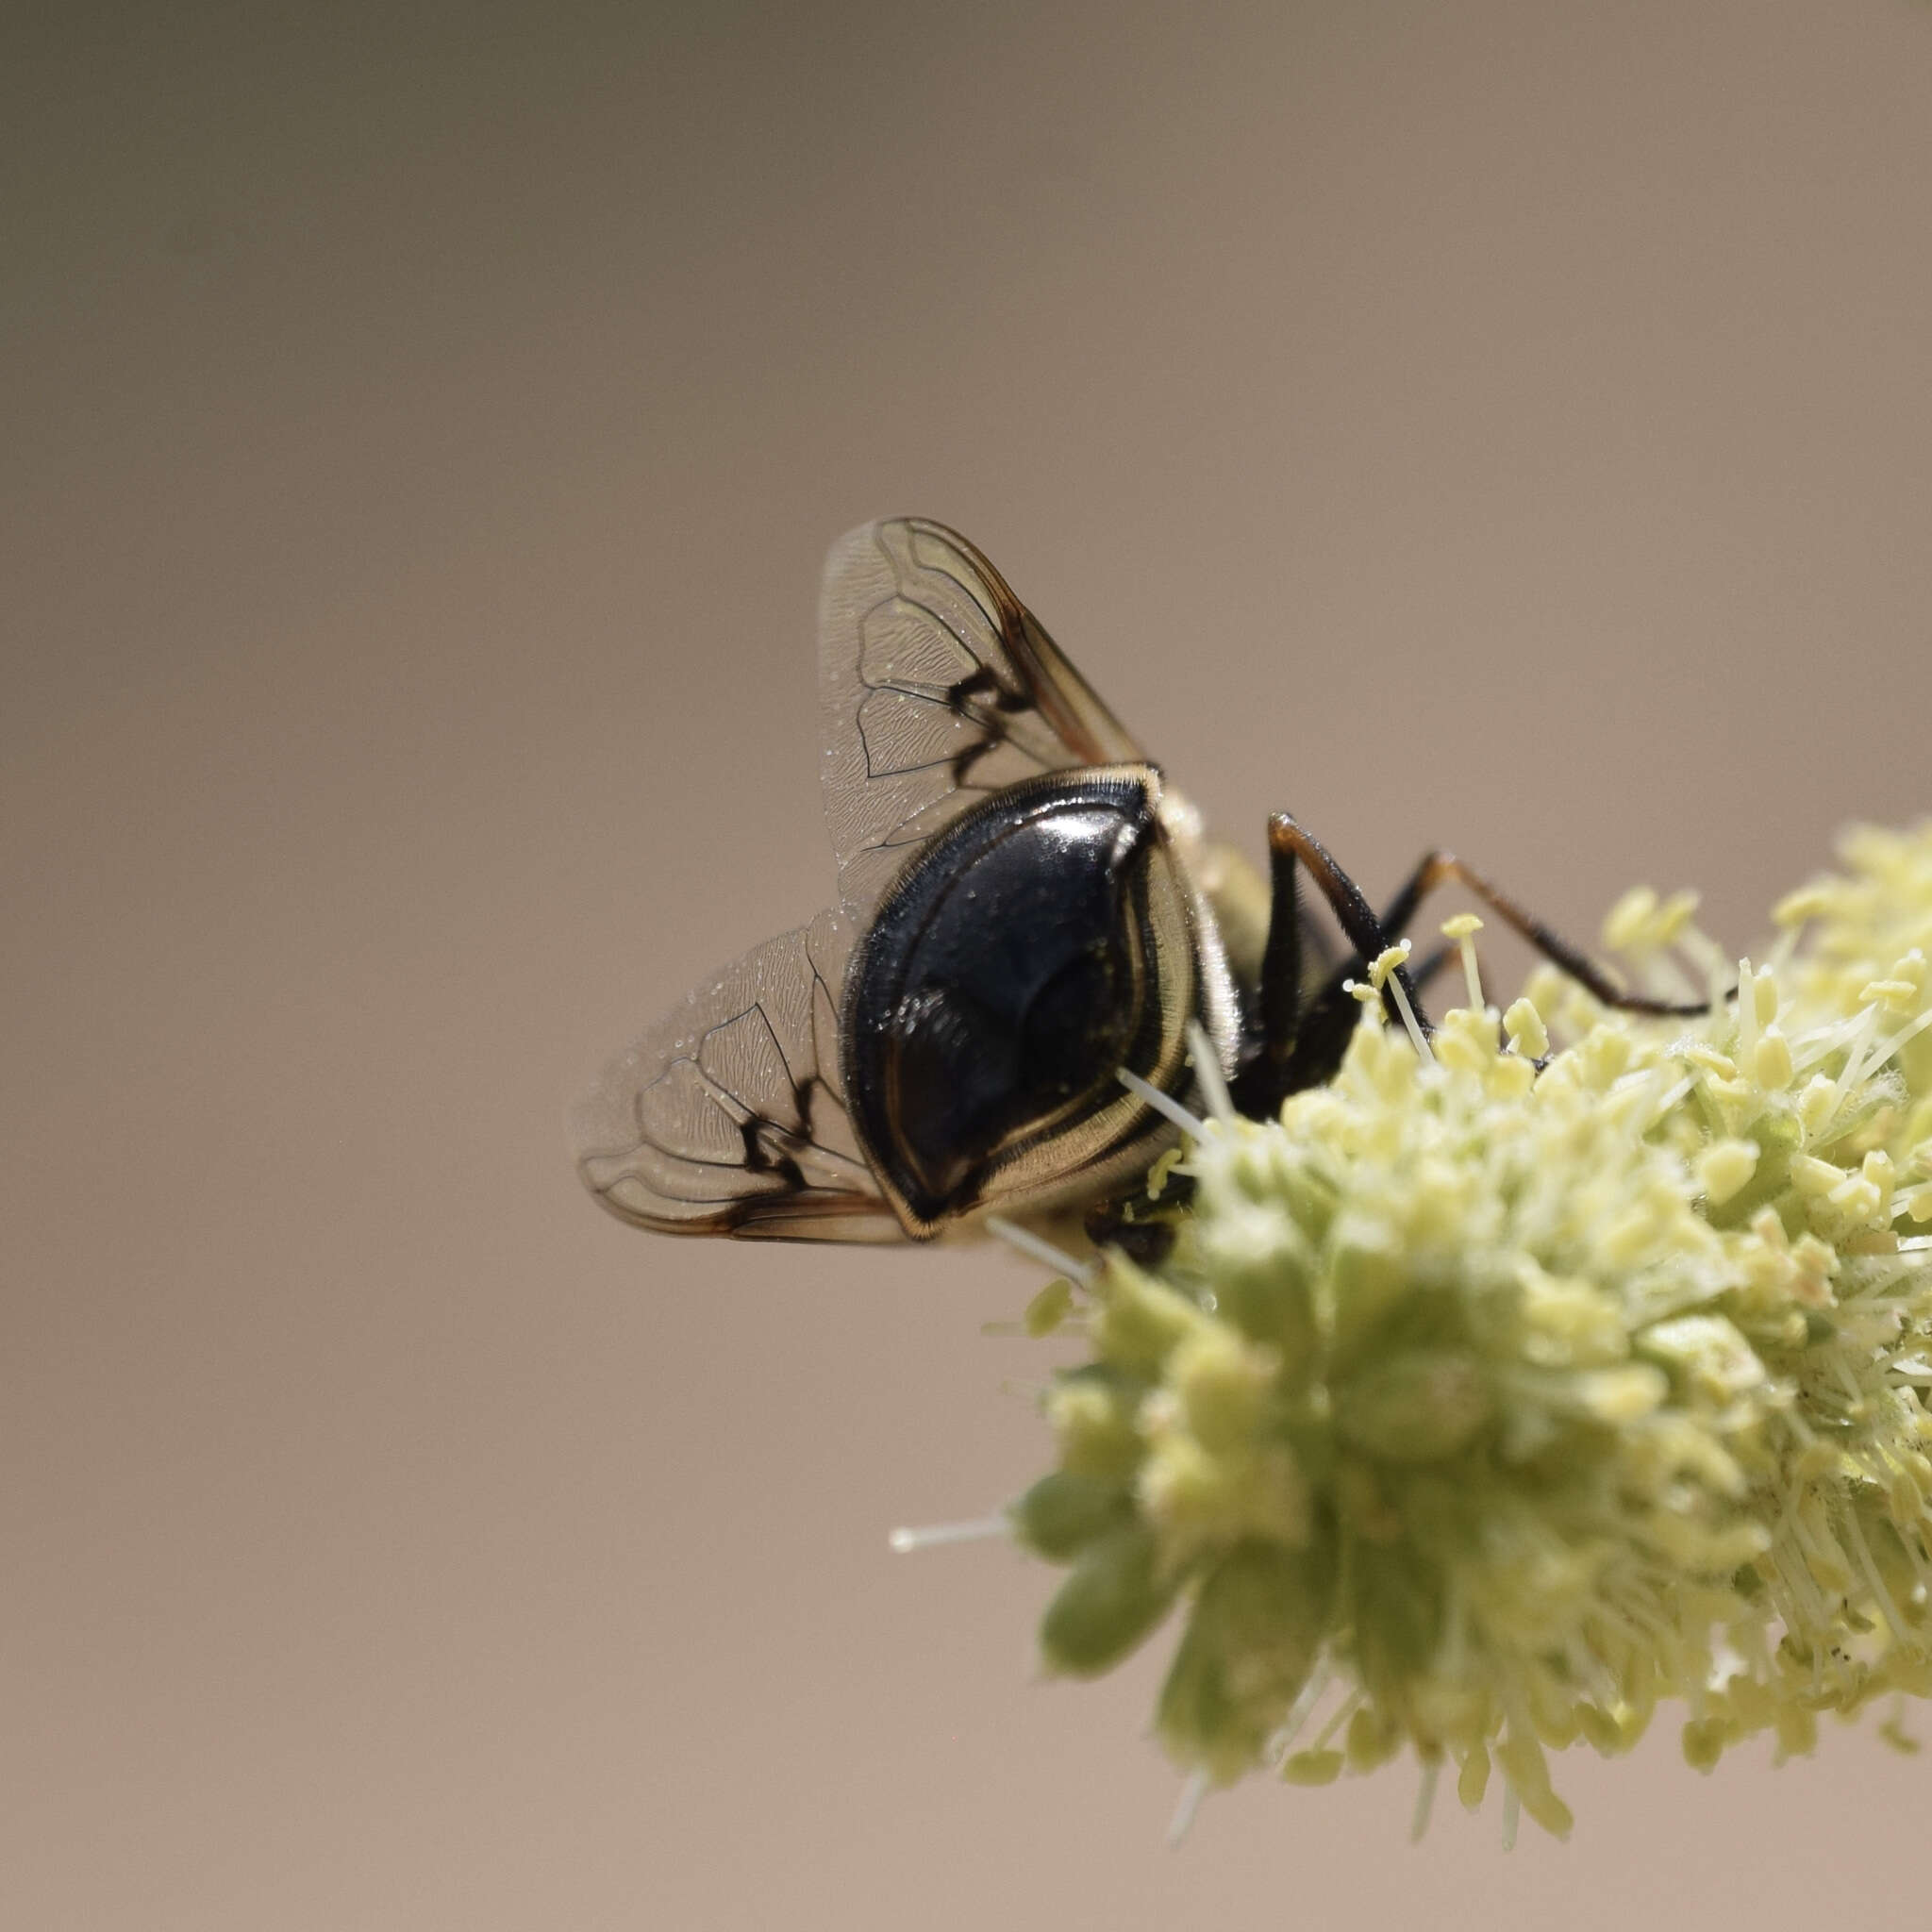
1507 1388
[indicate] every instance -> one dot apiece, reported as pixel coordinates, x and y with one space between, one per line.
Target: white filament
1408 1019
1185 1811
1424 1801
1164 1102
1038 1249
1206 1064
904 1541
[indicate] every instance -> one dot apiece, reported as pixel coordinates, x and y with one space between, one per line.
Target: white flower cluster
1502 1390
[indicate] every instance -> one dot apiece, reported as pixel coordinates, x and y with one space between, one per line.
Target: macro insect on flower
1028 922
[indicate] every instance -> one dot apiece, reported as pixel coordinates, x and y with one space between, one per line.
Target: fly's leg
1301 1036
1299 1045
1439 868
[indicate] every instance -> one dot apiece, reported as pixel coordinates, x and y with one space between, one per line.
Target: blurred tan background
1505 423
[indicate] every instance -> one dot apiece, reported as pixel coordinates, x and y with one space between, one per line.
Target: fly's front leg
1301 1036
1297 1045
1441 868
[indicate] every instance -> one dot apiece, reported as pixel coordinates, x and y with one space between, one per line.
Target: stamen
1207 1065
1383 973
1343 1712
1862 1550
1888 1047
1747 1013
1424 1801
1512 1815
1666 1100
904 1541
1184 1814
1038 1249
1856 1062
1628 926
1164 1102
1528 1035
1463 929
1282 1742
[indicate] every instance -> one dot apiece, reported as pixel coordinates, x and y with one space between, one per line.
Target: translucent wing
939 687
727 1117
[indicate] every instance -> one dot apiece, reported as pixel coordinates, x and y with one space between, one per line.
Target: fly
1025 909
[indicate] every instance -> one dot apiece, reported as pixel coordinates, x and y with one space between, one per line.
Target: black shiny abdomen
1006 980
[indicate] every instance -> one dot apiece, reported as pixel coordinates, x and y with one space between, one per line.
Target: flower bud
1113 1598
1066 1510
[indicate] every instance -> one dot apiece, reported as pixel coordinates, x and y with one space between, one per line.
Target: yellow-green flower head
1480 1408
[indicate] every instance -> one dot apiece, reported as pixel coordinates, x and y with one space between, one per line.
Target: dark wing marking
939 687
728 1118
